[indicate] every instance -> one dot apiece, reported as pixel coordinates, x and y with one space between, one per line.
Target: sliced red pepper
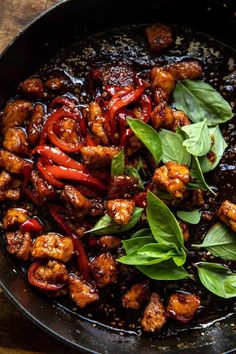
90 141
146 105
128 132
38 283
32 195
62 101
75 175
82 258
58 156
32 225
88 192
48 176
140 199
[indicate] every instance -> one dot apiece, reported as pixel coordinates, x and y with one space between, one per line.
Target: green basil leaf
201 101
196 172
220 241
107 226
192 217
218 279
156 250
149 137
118 164
164 226
173 149
180 258
199 139
167 270
142 232
211 160
132 171
134 244
134 258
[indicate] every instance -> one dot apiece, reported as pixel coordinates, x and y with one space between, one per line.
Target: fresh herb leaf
218 279
201 101
118 164
156 250
142 232
106 226
220 241
196 172
164 226
173 149
166 270
192 217
180 258
199 139
149 137
211 160
134 244
135 258
132 171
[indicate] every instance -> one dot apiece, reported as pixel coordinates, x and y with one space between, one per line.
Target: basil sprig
198 142
200 101
132 171
106 226
220 241
218 279
118 164
212 159
191 217
173 148
149 137
197 174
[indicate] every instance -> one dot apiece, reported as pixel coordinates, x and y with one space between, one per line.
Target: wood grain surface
17 334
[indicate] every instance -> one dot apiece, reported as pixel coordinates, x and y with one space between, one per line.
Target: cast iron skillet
31 48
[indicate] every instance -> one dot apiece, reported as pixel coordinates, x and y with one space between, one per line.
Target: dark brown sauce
128 45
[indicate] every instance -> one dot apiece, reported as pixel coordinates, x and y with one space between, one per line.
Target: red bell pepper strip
32 225
48 176
39 283
146 105
140 199
31 194
128 132
112 90
75 175
90 141
58 156
82 258
62 101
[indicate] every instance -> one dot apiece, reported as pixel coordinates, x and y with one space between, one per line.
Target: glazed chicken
182 306
82 293
227 213
19 244
104 269
135 296
120 210
154 317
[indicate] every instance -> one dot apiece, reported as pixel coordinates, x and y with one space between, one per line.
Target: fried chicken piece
96 122
68 131
98 207
16 112
14 217
53 272
5 179
32 87
110 242
11 162
182 306
104 269
162 83
98 156
81 292
134 297
117 74
154 316
173 177
162 116
10 194
158 36
180 119
185 70
227 213
16 141
76 201
36 123
123 187
133 145
19 244
53 245
185 230
58 81
44 190
120 210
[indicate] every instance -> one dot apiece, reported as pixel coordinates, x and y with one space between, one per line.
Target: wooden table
17 334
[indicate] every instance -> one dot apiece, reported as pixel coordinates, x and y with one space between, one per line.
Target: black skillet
33 47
